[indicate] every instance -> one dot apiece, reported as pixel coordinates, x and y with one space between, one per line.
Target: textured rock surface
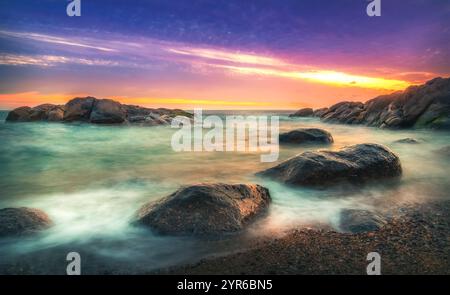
22 221
306 135
355 163
407 140
107 111
426 105
357 221
206 209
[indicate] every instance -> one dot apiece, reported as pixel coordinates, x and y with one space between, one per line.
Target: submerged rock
306 135
306 112
357 221
206 209
445 151
407 140
22 221
355 163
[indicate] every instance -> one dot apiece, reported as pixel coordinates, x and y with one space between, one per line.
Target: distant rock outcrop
426 105
306 135
206 209
22 221
353 164
306 112
97 111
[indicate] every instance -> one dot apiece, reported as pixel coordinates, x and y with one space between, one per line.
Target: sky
219 54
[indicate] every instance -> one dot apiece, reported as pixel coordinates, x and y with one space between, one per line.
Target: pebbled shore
418 242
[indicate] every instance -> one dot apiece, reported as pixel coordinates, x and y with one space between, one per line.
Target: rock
306 135
206 209
22 221
357 221
419 106
107 111
344 112
306 112
21 114
407 140
320 112
43 112
354 164
56 114
79 109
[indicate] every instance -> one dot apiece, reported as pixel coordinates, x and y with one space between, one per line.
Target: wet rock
357 221
206 209
79 109
305 112
445 151
22 221
306 135
353 164
107 111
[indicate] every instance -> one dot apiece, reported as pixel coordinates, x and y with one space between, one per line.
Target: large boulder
79 109
306 135
22 221
353 164
206 209
305 112
107 111
357 221
320 112
21 114
43 112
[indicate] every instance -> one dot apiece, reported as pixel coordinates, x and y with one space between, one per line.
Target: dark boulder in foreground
206 209
22 221
418 106
408 140
357 221
306 112
306 135
97 111
355 163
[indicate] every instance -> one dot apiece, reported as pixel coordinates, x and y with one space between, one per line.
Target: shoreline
414 243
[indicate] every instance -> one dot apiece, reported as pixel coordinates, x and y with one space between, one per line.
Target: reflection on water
91 180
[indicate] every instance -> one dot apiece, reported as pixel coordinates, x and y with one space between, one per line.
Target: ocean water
91 180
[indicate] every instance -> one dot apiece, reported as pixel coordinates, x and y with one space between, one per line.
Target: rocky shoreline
416 241
418 106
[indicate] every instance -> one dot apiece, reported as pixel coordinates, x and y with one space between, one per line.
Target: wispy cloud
51 60
55 40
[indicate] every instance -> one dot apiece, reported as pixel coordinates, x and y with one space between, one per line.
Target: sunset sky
219 54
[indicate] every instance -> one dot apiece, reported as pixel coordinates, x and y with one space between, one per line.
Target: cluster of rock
97 111
426 105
